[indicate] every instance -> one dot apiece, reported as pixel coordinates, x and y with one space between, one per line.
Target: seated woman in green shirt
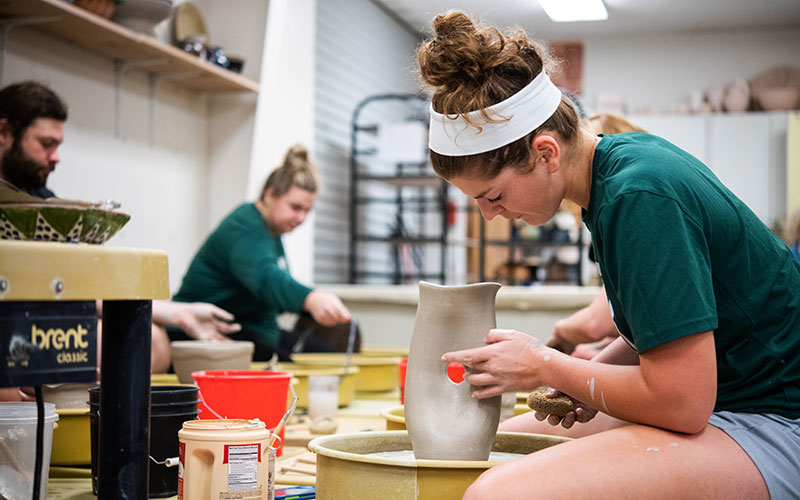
241 267
699 397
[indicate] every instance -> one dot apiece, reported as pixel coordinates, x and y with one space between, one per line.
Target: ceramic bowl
55 221
142 15
779 98
195 355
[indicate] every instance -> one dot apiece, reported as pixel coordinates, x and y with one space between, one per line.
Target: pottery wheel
560 405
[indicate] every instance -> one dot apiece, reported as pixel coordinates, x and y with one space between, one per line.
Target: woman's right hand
582 414
326 308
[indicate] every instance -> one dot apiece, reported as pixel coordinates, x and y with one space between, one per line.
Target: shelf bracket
120 68
9 23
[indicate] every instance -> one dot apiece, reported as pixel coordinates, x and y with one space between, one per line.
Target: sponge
560 405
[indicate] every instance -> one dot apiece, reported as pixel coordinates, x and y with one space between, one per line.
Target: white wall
240 30
285 111
661 71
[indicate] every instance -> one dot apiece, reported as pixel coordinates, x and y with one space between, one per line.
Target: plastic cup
18 448
323 402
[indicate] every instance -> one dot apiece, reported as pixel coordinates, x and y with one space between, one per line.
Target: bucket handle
274 431
202 400
168 462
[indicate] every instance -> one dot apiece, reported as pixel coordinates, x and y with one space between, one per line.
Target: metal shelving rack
515 243
415 176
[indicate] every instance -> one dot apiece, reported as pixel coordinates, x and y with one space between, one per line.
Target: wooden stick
11 459
299 470
307 460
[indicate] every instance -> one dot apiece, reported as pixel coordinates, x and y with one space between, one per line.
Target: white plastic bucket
18 448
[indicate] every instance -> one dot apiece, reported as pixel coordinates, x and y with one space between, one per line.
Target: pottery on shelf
444 420
103 8
779 98
142 15
737 96
777 88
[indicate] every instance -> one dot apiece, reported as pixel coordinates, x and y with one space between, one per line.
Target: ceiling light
565 11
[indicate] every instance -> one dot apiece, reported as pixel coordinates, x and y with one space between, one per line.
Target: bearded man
32 120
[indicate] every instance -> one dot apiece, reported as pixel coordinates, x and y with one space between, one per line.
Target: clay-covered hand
326 308
199 320
507 363
582 413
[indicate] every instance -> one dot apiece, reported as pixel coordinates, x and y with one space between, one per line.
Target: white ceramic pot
444 421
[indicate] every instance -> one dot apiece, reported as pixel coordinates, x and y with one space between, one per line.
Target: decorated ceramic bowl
25 217
62 223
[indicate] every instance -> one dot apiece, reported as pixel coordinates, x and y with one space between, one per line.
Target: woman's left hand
582 413
508 363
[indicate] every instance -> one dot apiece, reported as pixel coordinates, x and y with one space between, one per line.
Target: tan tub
345 471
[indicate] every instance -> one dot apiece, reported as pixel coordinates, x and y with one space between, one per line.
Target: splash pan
369 465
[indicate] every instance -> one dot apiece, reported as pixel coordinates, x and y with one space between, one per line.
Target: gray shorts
772 442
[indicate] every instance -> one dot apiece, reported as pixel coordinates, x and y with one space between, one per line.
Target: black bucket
170 407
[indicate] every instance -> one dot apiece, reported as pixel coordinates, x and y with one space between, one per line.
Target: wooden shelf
101 36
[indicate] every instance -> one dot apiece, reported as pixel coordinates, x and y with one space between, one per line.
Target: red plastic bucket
244 394
455 372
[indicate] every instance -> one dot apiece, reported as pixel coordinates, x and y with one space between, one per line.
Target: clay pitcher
443 420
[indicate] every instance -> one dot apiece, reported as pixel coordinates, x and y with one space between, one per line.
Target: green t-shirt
680 254
241 268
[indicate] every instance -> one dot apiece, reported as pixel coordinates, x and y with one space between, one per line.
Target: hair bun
296 156
456 53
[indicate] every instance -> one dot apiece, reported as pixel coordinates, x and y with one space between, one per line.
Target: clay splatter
653 448
672 445
547 357
533 344
591 387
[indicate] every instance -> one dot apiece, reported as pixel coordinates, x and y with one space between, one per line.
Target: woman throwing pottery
700 395
242 268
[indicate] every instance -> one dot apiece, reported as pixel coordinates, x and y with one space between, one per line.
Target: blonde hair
792 231
296 170
470 68
607 123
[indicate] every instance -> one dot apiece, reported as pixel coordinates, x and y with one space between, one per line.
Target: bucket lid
15 412
224 424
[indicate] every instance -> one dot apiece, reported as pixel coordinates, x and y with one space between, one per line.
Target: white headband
522 113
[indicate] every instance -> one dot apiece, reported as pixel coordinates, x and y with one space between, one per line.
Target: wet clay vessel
444 421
